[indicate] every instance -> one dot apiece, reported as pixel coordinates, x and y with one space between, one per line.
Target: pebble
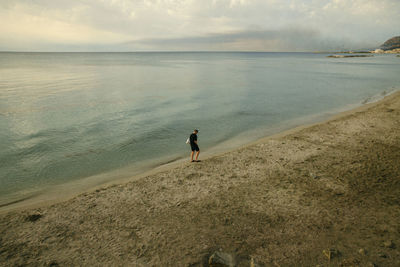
34 217
221 259
330 253
388 244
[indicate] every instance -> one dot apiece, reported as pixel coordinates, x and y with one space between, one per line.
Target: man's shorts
195 147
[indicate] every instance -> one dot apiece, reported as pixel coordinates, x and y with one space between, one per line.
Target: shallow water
67 116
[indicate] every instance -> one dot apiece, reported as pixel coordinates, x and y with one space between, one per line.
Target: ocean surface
66 118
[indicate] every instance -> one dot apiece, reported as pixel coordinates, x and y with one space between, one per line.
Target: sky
196 25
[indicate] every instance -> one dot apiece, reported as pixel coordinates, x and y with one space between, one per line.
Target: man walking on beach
194 145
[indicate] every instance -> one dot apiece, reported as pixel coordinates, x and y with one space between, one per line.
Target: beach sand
326 194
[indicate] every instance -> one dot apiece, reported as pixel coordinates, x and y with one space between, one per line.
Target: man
194 145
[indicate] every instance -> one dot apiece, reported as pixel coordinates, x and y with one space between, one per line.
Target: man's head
195 131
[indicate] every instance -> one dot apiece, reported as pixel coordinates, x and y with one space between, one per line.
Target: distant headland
391 46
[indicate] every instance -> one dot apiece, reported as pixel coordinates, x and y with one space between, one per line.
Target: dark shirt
193 137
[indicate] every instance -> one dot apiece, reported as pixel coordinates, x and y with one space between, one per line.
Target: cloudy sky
188 25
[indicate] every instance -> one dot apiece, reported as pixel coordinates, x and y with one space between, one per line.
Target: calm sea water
67 116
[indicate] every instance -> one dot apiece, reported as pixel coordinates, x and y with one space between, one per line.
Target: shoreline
53 195
320 194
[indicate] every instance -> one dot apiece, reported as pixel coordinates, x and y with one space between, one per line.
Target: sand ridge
282 201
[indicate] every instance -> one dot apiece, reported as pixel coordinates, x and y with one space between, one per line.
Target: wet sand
326 194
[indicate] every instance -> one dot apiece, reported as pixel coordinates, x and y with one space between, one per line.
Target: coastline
66 191
283 199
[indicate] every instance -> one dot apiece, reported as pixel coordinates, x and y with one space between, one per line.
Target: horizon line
186 51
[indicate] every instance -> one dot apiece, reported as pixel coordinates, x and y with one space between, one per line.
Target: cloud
25 28
203 25
287 39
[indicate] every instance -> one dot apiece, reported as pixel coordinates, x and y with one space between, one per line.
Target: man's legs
191 155
197 154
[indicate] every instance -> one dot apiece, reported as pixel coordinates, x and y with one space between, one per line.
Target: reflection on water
66 116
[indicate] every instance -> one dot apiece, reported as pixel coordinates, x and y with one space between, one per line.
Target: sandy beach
320 195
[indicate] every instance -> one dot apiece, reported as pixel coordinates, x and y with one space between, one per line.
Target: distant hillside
392 43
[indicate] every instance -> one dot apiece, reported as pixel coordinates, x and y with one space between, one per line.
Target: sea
72 121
